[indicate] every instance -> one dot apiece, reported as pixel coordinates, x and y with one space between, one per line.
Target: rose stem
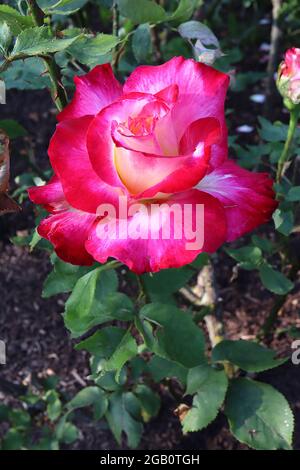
294 115
58 92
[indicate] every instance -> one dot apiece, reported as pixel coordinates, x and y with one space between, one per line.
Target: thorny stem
115 26
142 296
58 92
294 116
115 31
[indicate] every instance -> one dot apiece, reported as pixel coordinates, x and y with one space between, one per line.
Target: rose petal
100 144
95 90
68 232
156 252
146 175
248 197
82 187
202 92
51 195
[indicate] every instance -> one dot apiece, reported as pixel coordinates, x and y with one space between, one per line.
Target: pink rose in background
288 80
160 139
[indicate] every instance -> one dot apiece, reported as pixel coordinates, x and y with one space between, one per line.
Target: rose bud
288 80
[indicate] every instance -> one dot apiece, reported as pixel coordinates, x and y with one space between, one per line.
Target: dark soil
38 343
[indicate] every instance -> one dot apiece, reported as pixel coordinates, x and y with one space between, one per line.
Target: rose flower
159 140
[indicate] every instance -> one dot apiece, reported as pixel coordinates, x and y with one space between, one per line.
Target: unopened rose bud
288 80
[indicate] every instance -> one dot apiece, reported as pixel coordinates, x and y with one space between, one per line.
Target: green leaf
36 238
90 396
161 368
250 155
248 257
272 132
5 37
104 342
88 50
263 243
90 302
143 11
274 281
13 440
114 345
184 10
54 405
210 386
259 415
196 30
200 261
294 194
138 366
26 75
61 7
20 419
284 221
247 355
70 433
160 286
141 43
82 297
65 431
38 41
12 128
108 382
120 419
46 443
206 47
14 19
126 349
63 277
117 306
175 329
149 401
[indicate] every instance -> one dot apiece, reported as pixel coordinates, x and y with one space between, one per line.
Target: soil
38 343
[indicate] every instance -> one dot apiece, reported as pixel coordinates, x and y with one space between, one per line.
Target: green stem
115 32
115 26
294 115
142 296
58 92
